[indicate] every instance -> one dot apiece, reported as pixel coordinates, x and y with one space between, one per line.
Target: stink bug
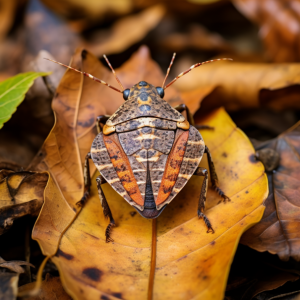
147 151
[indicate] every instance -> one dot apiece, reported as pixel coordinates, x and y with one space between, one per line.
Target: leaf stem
153 261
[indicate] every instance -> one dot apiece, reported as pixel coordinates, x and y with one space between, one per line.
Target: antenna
168 71
193 67
114 72
86 74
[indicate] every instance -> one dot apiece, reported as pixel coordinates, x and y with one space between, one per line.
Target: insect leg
106 210
101 120
181 108
87 181
201 204
214 176
204 127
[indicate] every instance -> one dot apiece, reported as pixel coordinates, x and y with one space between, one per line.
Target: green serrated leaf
12 93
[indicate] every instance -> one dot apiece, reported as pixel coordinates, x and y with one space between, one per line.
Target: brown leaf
197 37
278 231
256 274
279 26
91 268
14 265
242 85
127 31
7 12
90 9
51 289
21 193
8 286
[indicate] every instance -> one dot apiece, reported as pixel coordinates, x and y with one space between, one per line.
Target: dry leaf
90 9
14 265
91 268
51 289
197 37
244 85
127 31
46 31
21 193
256 274
7 12
278 231
279 26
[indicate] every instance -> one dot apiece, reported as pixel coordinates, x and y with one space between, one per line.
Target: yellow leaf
190 263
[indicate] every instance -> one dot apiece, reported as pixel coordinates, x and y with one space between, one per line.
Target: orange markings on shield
123 169
172 168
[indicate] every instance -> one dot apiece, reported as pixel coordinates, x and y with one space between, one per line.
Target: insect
147 151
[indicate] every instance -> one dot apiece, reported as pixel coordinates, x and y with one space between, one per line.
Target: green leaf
12 93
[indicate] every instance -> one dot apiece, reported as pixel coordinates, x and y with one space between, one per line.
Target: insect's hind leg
87 181
106 210
202 199
214 176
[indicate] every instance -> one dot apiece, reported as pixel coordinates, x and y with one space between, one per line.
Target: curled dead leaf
14 265
279 26
125 32
197 37
278 231
21 193
243 85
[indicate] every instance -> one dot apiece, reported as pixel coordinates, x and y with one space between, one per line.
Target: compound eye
160 91
126 94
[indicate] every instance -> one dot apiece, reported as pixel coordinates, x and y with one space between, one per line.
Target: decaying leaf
8 286
89 267
12 93
90 9
243 85
125 32
7 16
279 26
51 289
257 274
21 193
197 37
278 231
14 265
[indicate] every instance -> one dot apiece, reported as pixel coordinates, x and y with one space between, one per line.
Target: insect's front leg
181 108
106 210
87 181
101 120
214 176
201 204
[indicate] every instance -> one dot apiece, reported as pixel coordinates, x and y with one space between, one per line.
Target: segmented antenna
168 71
114 72
193 67
87 74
